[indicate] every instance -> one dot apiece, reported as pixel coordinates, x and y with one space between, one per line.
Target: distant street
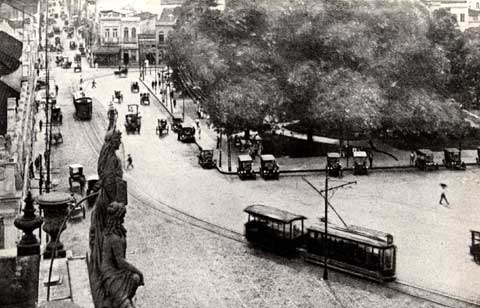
217 272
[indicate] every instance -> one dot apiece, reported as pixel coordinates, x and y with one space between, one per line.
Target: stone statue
119 279
112 188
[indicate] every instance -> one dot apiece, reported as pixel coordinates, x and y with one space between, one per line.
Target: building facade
466 12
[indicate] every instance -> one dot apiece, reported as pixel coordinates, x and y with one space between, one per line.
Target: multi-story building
164 26
118 33
466 12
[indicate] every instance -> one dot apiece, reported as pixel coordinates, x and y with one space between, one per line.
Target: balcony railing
110 40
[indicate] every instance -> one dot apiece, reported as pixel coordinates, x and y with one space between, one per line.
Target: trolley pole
325 239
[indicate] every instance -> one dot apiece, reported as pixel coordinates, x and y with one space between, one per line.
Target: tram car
83 105
359 251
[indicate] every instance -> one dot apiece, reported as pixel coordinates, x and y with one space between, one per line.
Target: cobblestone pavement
189 267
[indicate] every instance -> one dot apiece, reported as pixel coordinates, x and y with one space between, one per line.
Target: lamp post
48 129
325 239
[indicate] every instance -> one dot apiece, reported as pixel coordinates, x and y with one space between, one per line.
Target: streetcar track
153 203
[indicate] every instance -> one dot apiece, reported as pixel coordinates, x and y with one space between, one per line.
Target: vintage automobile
122 71
66 63
133 120
73 45
186 134
57 116
274 229
134 88
145 98
452 159
57 137
77 210
269 168
77 58
475 247
425 160
245 167
76 175
92 181
360 163
334 167
162 127
118 96
59 60
77 68
205 159
81 48
57 40
177 122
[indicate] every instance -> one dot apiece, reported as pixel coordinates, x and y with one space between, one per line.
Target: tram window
388 258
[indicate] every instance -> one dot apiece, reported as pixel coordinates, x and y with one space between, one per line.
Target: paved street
189 267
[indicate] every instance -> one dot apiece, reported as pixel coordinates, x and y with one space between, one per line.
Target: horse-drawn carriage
453 159
57 116
145 98
133 120
162 127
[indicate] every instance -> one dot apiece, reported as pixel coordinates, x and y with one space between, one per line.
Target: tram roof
357 234
272 213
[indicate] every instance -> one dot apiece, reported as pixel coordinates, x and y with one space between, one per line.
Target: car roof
244 157
451 150
359 154
267 157
424 151
333 154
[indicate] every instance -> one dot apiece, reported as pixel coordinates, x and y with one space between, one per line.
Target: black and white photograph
239 153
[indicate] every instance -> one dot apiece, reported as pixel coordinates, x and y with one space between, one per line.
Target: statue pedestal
55 208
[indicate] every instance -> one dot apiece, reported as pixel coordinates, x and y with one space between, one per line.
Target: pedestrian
199 132
38 161
40 124
31 171
412 158
94 84
370 158
197 122
174 103
153 84
81 80
56 90
443 195
218 141
129 161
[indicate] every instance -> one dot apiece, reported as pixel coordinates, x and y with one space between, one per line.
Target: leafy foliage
349 65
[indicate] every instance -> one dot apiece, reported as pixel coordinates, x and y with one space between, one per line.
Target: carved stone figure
110 182
119 279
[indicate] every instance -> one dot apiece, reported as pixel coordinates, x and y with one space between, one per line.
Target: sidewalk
208 139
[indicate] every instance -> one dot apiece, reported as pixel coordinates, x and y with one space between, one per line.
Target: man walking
94 84
412 158
370 158
129 161
443 196
40 124
56 90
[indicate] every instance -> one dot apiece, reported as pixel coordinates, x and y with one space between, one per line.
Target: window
462 17
134 56
114 32
161 37
125 34
107 33
134 33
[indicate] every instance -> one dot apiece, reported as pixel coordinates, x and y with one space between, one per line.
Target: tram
358 251
83 105
355 250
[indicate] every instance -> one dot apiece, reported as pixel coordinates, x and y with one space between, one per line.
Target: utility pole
327 204
47 101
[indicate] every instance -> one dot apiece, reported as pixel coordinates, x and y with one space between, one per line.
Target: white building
466 12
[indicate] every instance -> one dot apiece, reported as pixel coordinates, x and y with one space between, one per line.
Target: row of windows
125 33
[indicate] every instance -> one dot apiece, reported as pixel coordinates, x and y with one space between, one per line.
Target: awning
5 93
106 50
10 53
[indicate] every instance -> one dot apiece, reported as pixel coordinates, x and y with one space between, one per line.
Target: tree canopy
344 65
